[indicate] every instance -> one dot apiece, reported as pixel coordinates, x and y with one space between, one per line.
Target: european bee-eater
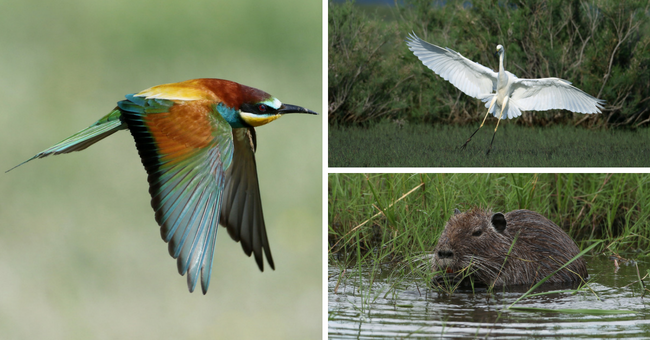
196 139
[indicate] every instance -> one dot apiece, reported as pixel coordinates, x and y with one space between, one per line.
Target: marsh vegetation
602 47
383 228
389 144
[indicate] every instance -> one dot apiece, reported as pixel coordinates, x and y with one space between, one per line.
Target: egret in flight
502 92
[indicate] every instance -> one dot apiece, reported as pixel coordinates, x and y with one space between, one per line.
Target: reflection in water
409 309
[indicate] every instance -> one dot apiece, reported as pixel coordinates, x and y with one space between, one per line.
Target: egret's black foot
470 138
492 141
462 147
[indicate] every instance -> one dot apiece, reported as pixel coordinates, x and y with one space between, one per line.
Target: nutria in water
482 238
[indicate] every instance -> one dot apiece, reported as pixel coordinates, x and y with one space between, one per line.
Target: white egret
502 92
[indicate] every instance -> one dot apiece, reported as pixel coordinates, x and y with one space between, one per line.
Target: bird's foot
487 153
462 147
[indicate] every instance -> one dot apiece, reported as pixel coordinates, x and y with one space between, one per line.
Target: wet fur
541 247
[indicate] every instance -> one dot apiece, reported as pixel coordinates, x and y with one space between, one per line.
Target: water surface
409 309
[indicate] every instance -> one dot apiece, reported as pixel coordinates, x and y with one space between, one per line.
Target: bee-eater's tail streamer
101 129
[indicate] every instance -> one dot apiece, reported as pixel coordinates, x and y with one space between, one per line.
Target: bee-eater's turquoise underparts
197 142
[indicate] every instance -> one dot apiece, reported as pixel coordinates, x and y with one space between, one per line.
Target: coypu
483 239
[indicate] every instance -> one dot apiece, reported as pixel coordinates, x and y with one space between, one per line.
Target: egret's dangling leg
505 102
494 100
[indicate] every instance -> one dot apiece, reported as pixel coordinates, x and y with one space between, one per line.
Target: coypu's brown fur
483 239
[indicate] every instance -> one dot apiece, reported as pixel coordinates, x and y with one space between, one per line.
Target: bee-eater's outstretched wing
186 147
241 211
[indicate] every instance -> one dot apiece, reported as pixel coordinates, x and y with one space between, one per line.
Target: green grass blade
573 311
549 276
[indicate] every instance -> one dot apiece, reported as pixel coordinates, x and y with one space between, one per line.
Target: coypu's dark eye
477 233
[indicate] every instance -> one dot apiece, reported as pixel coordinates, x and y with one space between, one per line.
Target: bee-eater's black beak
288 108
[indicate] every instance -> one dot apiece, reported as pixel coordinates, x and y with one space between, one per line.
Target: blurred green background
80 253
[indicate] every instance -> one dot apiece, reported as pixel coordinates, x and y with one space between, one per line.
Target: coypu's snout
445 254
443 258
444 262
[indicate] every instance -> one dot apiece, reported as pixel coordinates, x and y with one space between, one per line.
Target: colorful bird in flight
196 140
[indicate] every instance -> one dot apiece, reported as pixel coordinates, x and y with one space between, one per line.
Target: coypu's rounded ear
499 222
456 211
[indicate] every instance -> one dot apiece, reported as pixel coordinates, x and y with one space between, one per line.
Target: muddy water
407 309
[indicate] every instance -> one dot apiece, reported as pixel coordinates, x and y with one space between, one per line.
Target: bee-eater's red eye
262 108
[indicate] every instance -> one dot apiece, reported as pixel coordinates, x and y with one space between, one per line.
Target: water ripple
408 309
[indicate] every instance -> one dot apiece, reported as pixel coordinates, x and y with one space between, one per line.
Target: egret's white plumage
504 94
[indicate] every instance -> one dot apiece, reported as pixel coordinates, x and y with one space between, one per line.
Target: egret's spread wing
241 211
186 148
472 78
552 93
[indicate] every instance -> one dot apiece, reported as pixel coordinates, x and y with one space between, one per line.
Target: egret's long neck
502 72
